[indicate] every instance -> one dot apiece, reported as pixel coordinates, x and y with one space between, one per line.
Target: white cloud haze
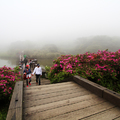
57 21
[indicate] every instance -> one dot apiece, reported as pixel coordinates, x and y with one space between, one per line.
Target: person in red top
28 72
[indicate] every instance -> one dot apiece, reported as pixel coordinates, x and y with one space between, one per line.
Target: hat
38 64
27 65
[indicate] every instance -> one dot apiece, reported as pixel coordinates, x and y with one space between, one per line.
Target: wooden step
66 109
81 113
57 104
51 85
41 88
54 99
53 94
42 92
109 114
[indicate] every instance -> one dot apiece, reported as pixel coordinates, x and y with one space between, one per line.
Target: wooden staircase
65 101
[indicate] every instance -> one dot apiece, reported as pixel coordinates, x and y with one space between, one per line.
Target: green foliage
59 77
16 69
47 69
4 105
3 113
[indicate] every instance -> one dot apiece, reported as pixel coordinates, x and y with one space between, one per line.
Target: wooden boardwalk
65 101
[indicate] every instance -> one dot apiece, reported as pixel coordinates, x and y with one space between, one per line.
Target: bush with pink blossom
102 67
8 79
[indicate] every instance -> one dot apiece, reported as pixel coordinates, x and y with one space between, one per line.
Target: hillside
93 44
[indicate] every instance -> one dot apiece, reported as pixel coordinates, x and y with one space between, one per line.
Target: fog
58 22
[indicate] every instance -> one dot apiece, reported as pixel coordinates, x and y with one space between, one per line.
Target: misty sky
58 20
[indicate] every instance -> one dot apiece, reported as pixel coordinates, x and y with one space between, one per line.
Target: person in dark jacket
25 61
28 72
30 63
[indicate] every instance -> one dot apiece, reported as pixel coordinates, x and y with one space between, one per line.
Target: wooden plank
15 114
54 99
17 96
112 97
50 95
81 113
48 92
51 85
89 85
27 92
16 103
51 88
118 118
106 115
65 109
58 104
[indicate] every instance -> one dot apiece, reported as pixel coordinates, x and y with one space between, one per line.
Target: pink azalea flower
2 75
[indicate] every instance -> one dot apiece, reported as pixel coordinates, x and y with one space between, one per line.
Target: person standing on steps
38 72
28 72
30 63
25 61
24 56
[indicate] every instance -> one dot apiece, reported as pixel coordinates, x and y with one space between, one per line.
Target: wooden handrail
16 103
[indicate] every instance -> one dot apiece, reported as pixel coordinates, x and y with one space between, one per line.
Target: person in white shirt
38 72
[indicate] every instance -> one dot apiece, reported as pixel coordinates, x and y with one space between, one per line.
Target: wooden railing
16 103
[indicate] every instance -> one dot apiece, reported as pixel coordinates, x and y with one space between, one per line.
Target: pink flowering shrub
102 67
7 81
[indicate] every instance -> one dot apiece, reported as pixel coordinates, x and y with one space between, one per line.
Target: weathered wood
34 91
109 114
52 85
99 90
50 95
112 96
17 96
68 101
87 111
66 109
56 98
58 104
16 103
46 94
118 118
14 114
35 94
89 85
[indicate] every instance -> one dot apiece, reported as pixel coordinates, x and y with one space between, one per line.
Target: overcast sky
58 20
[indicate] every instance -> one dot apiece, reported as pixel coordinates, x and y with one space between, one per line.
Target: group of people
23 60
37 71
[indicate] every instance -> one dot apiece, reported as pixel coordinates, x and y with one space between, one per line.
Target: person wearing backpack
38 72
28 72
